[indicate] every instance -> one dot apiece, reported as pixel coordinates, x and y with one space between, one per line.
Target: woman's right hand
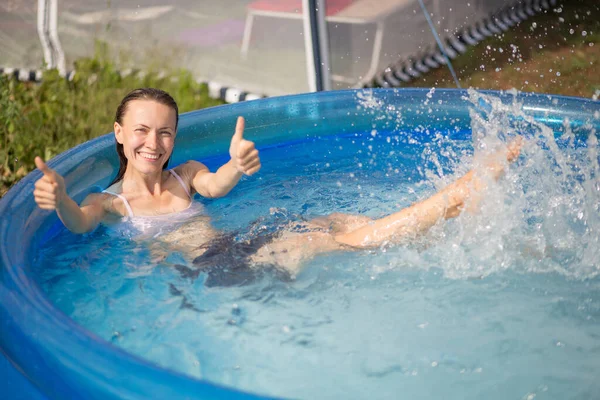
50 189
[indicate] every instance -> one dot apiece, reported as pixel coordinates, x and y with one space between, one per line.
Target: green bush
48 118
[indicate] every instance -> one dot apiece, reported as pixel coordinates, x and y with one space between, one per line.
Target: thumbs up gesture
243 154
49 190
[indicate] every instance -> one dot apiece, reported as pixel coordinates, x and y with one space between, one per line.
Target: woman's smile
151 157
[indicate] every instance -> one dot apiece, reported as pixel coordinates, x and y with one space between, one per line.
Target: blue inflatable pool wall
45 355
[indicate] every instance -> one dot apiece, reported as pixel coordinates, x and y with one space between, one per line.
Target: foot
495 164
513 149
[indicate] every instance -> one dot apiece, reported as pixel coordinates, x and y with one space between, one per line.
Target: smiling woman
145 129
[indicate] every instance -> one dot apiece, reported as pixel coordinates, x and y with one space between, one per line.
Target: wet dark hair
160 96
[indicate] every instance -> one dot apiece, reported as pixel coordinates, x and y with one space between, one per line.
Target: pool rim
36 302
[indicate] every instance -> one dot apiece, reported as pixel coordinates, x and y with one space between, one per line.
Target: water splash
542 216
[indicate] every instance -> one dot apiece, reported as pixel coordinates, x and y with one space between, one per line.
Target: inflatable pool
46 353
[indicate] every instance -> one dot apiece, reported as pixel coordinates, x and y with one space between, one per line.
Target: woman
145 128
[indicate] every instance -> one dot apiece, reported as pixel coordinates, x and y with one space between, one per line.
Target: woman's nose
152 139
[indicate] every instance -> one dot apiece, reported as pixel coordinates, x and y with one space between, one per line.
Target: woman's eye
166 133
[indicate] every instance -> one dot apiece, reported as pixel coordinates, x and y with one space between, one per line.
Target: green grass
48 118
557 51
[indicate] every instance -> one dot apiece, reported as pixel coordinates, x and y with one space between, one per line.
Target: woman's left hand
242 152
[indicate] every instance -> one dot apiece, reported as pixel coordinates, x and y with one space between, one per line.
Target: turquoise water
499 304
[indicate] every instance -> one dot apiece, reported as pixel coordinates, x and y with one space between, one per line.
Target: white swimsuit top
128 207
157 224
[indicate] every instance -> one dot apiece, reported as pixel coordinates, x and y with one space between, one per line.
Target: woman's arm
212 184
50 194
244 161
445 204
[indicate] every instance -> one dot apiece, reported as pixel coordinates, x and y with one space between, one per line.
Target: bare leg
445 204
338 223
190 238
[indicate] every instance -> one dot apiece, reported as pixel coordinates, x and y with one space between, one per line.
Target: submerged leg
447 203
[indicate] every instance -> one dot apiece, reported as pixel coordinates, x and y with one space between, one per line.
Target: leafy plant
48 118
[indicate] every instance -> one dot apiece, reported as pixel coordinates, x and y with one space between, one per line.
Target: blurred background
259 45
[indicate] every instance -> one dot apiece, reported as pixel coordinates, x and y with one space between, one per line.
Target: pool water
503 303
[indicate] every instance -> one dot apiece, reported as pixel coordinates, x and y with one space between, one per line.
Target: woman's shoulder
98 198
110 199
113 190
187 172
188 169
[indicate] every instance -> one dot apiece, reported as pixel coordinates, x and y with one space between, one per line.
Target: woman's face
147 134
